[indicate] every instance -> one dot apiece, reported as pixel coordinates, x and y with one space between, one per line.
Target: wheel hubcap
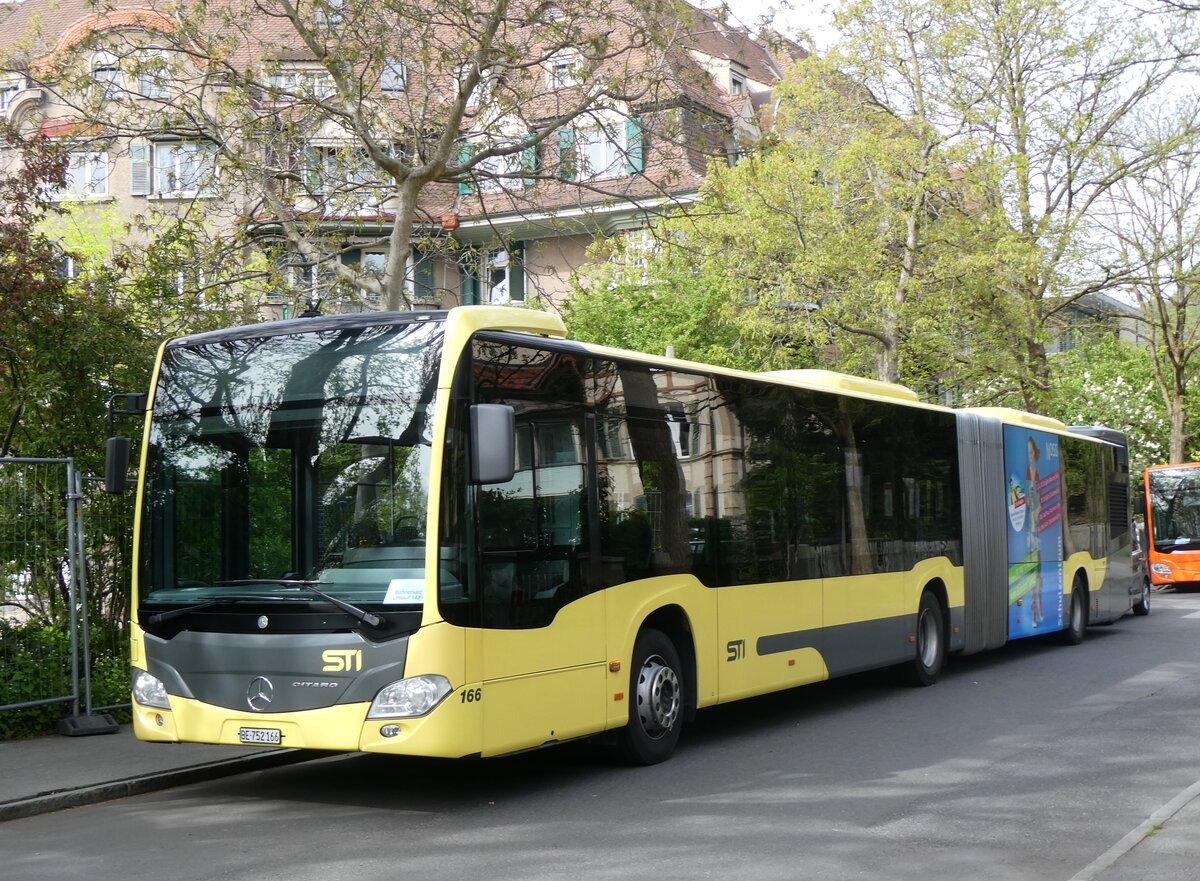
658 697
927 639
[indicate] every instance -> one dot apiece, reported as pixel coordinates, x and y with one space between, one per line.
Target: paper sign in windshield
405 591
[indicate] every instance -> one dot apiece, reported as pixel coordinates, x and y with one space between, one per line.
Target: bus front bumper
452 729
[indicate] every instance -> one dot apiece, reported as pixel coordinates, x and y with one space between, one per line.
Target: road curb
58 800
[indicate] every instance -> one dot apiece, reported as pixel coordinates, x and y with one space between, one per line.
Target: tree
851 239
1112 383
81 309
328 126
1155 227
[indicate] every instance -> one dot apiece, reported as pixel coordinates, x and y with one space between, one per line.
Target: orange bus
1172 511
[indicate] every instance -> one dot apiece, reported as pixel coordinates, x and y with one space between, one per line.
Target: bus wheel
656 695
1077 622
931 642
1142 606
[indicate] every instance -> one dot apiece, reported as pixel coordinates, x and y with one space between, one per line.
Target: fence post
78 724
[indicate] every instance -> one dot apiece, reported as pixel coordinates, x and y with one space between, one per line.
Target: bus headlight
1161 569
149 691
409 697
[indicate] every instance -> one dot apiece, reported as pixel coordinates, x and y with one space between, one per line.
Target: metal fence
64 603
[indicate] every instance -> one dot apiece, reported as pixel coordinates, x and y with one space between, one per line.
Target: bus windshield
292 465
1175 508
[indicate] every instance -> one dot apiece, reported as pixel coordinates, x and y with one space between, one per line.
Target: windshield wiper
368 618
159 617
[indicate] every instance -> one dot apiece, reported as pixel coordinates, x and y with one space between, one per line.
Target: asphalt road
1025 763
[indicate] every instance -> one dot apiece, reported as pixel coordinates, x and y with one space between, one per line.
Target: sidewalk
53 772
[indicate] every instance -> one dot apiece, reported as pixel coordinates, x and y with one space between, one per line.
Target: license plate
260 735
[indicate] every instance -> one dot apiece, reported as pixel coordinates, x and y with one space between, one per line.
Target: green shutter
516 272
312 169
465 186
567 161
468 266
351 257
529 164
635 147
423 278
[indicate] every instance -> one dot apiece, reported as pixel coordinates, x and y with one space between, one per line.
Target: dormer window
106 72
563 71
737 83
393 80
329 12
295 84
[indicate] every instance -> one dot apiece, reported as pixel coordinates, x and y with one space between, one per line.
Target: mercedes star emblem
262 622
259 694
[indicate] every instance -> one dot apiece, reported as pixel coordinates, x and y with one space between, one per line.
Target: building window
106 72
87 175
8 91
298 84
173 168
340 169
181 168
601 151
393 80
504 275
152 76
737 83
329 12
507 171
563 71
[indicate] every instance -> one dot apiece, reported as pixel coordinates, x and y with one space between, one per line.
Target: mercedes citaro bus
461 534
1171 556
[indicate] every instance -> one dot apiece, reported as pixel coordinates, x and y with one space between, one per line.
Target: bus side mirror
116 464
493 443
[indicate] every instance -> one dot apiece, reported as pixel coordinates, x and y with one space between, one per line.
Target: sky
812 16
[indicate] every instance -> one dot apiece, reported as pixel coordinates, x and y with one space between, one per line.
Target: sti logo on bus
735 650
341 660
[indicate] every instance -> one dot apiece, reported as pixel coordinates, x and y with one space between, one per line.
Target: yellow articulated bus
461 534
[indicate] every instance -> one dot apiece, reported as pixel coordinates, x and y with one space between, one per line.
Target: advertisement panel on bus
1035 565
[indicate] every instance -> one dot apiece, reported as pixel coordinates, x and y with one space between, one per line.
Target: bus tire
926 667
1077 618
656 700
1142 606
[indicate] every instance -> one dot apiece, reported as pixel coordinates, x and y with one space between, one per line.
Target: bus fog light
409 697
1161 569
389 730
149 691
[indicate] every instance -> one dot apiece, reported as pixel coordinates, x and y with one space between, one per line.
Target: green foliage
1112 383
37 665
643 296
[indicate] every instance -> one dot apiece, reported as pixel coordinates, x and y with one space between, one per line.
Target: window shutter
208 170
567 161
465 186
529 164
635 147
469 267
516 272
351 257
140 172
423 278
312 169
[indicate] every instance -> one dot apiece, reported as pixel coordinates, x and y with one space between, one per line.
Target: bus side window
532 530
